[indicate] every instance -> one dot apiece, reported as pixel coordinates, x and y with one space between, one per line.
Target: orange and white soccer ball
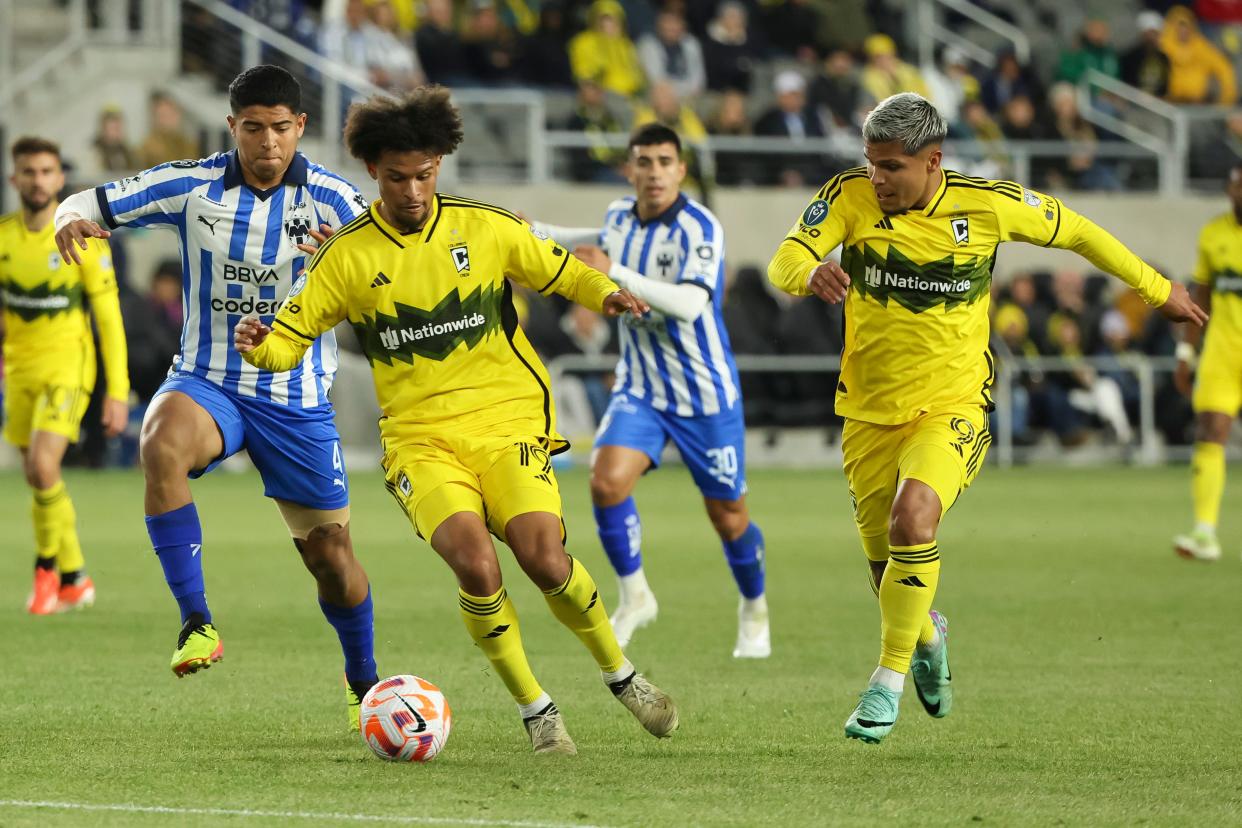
405 719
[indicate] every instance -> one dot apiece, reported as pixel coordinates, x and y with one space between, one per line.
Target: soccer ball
405 719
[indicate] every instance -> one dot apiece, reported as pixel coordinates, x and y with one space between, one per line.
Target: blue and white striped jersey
239 256
683 367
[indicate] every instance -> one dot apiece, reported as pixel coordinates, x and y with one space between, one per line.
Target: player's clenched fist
829 282
73 235
249 334
620 301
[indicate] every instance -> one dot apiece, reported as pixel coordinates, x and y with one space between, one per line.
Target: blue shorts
296 450
712 445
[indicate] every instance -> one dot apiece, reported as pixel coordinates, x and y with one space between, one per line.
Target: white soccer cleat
753 637
1197 546
634 611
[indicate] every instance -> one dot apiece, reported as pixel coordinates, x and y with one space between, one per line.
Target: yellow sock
69 556
47 512
906 594
927 632
576 603
493 624
1207 485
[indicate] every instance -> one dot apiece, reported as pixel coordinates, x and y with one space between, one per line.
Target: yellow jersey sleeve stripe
564 262
833 188
994 187
453 202
359 222
292 329
804 244
475 202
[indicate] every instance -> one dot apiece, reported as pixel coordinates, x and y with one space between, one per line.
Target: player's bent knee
729 518
608 488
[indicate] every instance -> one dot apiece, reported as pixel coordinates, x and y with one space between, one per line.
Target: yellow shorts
495 478
945 450
1218 382
39 406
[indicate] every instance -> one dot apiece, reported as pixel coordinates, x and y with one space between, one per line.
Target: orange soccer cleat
76 596
42 600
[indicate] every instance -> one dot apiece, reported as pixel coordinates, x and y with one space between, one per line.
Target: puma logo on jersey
211 225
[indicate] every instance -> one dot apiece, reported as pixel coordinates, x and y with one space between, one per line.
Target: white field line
309 815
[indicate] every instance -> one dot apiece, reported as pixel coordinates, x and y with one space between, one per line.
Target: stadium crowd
793 68
799 69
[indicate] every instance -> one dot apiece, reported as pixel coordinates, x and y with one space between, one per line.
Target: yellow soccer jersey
434 313
916 314
47 329
1220 267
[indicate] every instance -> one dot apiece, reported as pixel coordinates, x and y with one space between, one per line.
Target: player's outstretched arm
263 348
681 301
547 267
77 219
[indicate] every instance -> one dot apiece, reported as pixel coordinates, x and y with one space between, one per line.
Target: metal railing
1016 156
1171 141
928 30
1148 448
15 80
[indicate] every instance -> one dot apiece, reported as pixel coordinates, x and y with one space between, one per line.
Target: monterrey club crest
298 229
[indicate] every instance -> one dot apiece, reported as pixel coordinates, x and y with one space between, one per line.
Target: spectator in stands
604 52
672 54
1093 50
752 316
1221 152
391 58
365 38
1080 168
491 47
887 74
112 152
837 94
950 84
1011 341
545 52
1007 80
595 118
730 119
816 328
1116 349
168 139
1024 295
153 329
977 124
730 51
1197 69
1018 121
666 107
843 24
793 119
792 26
1087 391
1145 65
440 46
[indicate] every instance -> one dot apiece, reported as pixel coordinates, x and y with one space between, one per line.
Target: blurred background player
917 371
468 424
246 220
676 381
49 358
1217 391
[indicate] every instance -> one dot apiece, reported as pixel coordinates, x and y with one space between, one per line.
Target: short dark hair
265 85
425 120
649 134
31 145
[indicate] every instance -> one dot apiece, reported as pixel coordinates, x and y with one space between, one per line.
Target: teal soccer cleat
930 671
875 715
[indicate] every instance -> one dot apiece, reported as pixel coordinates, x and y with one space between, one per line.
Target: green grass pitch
1097 676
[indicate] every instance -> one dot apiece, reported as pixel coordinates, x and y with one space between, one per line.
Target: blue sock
745 556
355 626
621 534
178 541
